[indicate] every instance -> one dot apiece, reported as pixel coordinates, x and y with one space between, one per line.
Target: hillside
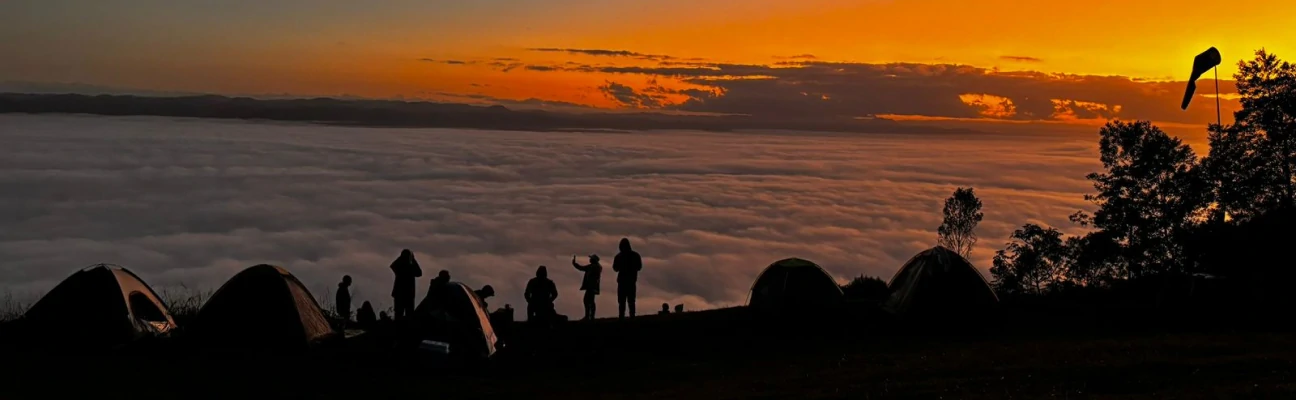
723 355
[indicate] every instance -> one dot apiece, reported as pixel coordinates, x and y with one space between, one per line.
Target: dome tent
100 305
458 318
938 281
794 284
263 306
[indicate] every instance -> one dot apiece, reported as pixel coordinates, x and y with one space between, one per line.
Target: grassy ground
11 308
723 355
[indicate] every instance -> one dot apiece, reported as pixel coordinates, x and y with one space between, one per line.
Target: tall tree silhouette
1251 167
1268 90
1148 196
962 214
1250 173
1035 258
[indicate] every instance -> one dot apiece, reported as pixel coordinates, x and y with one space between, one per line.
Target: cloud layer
192 202
803 86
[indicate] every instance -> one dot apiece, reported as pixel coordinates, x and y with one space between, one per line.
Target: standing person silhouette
540 295
407 271
627 265
590 283
342 300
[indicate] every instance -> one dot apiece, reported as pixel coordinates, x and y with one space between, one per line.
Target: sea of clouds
191 202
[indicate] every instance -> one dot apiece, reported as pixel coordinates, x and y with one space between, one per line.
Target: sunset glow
637 55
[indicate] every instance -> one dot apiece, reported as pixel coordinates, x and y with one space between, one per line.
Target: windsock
1203 62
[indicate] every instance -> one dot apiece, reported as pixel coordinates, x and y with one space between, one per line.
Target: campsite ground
716 355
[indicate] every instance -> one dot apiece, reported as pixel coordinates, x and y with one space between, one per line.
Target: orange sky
334 47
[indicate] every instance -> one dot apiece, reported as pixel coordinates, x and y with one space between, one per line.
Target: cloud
628 97
922 89
523 104
1071 109
652 96
1025 59
194 201
990 105
850 90
506 66
606 53
797 57
503 64
447 62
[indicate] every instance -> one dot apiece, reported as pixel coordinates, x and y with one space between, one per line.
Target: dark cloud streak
1026 59
606 53
447 62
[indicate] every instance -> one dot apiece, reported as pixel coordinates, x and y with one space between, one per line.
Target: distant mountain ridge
393 113
35 87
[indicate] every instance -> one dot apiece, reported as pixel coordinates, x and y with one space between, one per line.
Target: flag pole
1218 121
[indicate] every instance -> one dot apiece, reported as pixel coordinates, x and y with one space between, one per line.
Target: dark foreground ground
718 355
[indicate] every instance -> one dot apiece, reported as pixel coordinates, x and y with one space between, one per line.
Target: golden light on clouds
990 106
666 53
1069 110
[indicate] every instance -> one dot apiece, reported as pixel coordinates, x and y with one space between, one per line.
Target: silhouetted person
484 293
407 271
627 265
442 279
436 291
679 308
665 309
540 295
365 315
342 301
506 313
590 283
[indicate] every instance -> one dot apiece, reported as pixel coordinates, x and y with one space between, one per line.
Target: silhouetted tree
1242 176
1251 164
1250 172
1148 196
866 288
1035 258
962 214
1160 211
1268 90
1095 259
